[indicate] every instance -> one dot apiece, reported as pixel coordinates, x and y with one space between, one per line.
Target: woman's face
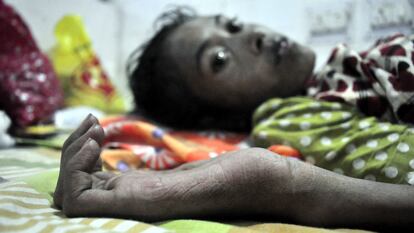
235 65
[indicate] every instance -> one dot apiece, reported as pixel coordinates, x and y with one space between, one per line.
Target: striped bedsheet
27 178
24 209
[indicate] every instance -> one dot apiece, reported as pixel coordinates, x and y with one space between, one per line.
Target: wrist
311 191
340 201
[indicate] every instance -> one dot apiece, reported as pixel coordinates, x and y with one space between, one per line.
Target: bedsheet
28 177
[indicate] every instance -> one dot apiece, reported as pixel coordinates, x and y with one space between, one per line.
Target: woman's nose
256 40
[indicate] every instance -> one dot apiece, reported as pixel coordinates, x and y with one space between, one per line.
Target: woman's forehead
193 30
184 42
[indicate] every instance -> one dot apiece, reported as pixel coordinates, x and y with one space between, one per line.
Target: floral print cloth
133 143
378 82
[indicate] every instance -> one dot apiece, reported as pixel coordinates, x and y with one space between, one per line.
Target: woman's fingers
95 132
89 128
83 127
80 198
84 160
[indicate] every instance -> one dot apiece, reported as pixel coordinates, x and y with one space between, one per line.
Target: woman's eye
219 60
234 25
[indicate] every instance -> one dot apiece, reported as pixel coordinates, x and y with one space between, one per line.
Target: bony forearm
234 184
340 201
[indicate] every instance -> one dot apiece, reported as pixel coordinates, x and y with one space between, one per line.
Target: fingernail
86 144
90 142
97 127
92 116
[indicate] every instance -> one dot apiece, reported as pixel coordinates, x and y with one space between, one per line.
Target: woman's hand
232 184
89 129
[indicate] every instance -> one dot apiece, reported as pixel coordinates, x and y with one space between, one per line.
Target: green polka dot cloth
336 137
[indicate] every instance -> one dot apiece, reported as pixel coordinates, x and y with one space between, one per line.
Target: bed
28 176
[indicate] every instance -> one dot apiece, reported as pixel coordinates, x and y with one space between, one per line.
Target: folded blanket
336 137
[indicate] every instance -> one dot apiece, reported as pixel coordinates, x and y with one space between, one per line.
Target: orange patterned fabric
133 143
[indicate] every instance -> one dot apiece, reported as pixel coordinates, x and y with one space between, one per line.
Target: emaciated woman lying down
350 120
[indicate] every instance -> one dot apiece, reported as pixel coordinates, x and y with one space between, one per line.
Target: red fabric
378 82
29 89
285 151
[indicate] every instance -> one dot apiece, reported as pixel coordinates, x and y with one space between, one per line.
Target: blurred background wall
117 27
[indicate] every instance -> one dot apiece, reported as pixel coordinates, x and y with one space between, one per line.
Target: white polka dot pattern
284 123
330 155
411 163
326 115
307 115
364 124
346 125
393 137
391 172
304 125
358 164
381 156
410 178
326 141
372 143
403 147
305 141
347 144
346 115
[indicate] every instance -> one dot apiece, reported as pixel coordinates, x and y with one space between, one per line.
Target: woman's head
206 68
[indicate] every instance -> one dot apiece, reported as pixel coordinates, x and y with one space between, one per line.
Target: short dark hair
159 90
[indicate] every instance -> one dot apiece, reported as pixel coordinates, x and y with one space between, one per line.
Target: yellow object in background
83 79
